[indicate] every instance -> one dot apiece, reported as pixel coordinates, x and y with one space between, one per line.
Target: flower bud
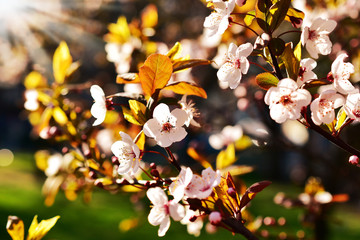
155 173
215 218
193 218
354 160
115 160
330 77
153 165
240 3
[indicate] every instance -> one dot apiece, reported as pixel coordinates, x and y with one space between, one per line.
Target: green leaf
277 46
128 115
184 64
278 13
248 19
292 63
266 80
340 119
138 110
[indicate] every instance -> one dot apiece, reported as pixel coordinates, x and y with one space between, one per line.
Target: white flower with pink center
323 107
341 73
305 71
218 21
236 64
177 187
128 154
286 100
316 37
193 226
166 127
352 106
163 209
98 109
202 187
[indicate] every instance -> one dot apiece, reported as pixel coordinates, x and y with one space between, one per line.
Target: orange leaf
127 78
155 73
149 16
187 88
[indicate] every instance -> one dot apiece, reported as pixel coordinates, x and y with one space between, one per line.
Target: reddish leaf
252 191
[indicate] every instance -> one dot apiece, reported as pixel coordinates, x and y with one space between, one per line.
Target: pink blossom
352 106
163 209
236 64
215 217
128 154
218 21
341 73
202 187
323 107
305 72
166 127
286 100
316 37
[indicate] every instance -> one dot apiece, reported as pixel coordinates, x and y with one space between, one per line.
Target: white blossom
177 187
316 37
323 107
165 126
305 72
202 187
228 135
191 112
98 109
218 21
341 73
286 100
128 154
236 64
352 106
193 227
163 209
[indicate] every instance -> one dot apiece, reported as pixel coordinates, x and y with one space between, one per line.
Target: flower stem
238 227
231 21
254 63
172 159
297 31
276 65
336 140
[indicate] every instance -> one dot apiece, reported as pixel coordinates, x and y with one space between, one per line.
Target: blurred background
287 154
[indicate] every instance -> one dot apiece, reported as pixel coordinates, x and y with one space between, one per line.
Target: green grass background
20 195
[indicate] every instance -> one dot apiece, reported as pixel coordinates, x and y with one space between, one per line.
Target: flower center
312 34
301 72
356 112
237 63
285 100
166 127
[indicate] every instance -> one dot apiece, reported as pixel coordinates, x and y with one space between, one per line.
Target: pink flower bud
240 2
354 160
215 218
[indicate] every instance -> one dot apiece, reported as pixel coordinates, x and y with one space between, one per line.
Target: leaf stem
297 31
232 21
